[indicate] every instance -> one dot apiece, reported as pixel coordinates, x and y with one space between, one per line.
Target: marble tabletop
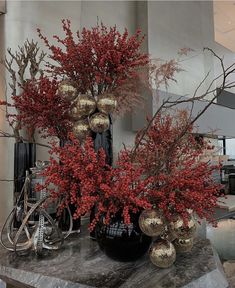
81 264
227 203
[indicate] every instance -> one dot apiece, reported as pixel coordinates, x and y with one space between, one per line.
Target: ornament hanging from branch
67 90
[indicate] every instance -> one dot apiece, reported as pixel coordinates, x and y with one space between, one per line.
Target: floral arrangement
90 181
89 76
162 172
163 169
99 60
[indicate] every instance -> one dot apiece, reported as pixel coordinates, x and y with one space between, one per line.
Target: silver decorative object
32 234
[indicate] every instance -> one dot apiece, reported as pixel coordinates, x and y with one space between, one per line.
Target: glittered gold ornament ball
74 114
151 222
162 253
183 245
85 105
67 90
99 122
81 129
182 231
106 103
168 235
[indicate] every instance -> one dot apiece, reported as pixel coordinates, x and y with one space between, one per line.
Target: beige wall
2 6
176 24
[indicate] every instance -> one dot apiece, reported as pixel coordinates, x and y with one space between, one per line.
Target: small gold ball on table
182 231
162 253
183 245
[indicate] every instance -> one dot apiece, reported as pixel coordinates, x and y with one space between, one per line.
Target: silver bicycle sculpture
37 229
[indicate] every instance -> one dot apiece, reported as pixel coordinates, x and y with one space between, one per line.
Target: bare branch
26 59
170 104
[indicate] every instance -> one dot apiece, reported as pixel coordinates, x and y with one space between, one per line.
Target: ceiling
224 23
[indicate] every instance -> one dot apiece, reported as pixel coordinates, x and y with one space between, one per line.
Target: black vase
105 140
102 140
122 242
24 159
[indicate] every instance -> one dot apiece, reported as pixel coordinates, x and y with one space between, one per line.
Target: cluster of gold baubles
87 113
171 238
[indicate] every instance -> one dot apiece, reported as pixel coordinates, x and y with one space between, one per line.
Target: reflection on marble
222 238
81 264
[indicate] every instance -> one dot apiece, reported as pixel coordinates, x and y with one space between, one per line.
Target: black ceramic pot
122 242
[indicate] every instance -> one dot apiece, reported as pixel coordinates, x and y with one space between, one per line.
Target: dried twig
26 60
167 104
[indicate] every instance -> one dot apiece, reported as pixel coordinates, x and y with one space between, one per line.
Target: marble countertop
81 264
227 203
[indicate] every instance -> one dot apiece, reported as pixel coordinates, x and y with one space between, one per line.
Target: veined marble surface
81 264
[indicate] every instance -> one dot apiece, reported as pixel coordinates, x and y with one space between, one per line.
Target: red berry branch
24 65
40 106
97 60
173 181
178 179
83 178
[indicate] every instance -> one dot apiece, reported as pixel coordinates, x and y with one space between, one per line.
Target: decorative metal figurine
37 230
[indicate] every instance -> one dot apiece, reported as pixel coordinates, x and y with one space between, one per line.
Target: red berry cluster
81 177
40 106
177 178
98 59
166 172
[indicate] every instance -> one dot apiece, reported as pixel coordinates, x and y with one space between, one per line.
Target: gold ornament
99 122
181 231
183 245
152 222
168 235
106 103
162 253
67 90
74 114
85 105
81 129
